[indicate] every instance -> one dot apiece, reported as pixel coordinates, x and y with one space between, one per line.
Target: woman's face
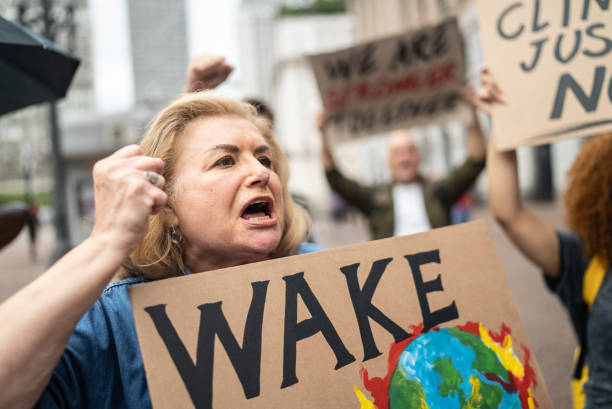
227 199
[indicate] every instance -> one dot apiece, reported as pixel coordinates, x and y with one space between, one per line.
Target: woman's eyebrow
224 147
261 149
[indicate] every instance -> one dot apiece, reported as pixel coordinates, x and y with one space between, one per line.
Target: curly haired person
575 263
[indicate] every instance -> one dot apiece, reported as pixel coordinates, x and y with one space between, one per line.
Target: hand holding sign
490 93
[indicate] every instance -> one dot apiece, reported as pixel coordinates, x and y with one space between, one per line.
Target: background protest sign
372 325
412 79
552 61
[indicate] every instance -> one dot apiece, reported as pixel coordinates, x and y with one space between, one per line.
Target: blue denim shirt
101 367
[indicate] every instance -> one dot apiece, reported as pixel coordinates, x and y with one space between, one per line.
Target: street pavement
550 335
17 268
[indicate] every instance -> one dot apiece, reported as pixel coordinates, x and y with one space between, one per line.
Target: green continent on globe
486 360
484 395
404 393
451 379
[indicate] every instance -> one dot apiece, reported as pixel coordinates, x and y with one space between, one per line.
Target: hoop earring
175 235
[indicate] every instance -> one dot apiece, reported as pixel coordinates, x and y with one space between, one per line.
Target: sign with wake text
412 79
381 325
552 61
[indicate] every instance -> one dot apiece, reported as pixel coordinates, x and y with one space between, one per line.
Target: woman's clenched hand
128 188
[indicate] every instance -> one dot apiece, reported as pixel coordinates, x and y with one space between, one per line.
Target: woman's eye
264 160
225 162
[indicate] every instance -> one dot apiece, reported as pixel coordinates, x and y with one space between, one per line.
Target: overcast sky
211 28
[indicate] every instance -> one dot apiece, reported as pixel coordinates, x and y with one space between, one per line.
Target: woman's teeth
258 219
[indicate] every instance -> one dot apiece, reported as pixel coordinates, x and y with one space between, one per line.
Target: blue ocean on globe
446 368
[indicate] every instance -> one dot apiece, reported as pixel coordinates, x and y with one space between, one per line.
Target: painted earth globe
450 368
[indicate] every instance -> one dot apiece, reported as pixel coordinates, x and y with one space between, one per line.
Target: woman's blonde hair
588 200
158 256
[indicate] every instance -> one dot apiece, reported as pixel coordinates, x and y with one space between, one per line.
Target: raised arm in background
534 237
38 320
460 179
476 143
326 154
350 190
206 72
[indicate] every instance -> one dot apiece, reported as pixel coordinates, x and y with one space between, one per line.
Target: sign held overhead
411 79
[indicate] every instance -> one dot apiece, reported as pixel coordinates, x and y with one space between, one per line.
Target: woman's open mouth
259 212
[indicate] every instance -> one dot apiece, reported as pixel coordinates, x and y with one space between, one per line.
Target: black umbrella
32 69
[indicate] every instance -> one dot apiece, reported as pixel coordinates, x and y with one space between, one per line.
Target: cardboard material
551 59
411 79
333 325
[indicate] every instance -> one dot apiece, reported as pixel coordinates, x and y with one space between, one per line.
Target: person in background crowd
262 108
576 263
411 203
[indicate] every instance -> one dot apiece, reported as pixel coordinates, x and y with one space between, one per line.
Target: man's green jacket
376 202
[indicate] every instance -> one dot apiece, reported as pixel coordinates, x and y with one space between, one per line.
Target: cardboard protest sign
411 79
382 325
552 60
